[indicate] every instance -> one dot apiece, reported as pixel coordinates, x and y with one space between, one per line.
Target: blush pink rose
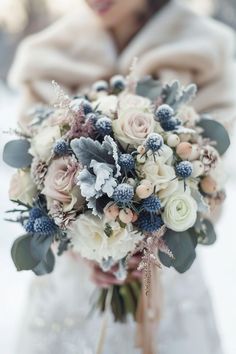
133 126
60 183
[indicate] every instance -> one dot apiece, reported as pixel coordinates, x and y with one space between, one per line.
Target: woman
98 41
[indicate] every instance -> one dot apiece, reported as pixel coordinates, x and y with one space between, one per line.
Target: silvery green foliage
15 153
121 273
203 207
96 181
175 96
87 150
149 88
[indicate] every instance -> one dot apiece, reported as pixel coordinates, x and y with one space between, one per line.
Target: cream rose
133 126
42 142
60 183
180 212
90 240
127 101
22 187
107 105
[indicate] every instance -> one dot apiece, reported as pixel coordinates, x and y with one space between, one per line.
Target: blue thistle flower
35 213
100 85
118 83
148 222
184 169
164 113
29 225
104 126
154 142
78 103
92 117
151 204
126 161
45 226
60 147
170 124
123 193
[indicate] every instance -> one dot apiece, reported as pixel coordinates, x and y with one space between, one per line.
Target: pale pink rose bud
173 140
195 152
144 191
184 150
111 211
141 149
126 215
198 168
208 185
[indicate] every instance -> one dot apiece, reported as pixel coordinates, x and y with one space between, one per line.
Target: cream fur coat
175 43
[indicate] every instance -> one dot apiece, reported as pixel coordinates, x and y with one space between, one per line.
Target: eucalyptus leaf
40 245
15 153
216 132
21 253
46 266
182 245
149 88
207 235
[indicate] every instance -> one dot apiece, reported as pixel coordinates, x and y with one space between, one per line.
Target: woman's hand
105 279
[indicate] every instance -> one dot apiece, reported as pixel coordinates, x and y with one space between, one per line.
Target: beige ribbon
148 314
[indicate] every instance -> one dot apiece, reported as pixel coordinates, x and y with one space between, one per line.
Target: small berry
35 213
44 226
184 150
154 142
104 126
118 83
78 103
208 185
149 222
164 112
126 215
170 124
123 193
184 169
141 149
60 147
111 211
173 140
29 225
151 204
100 85
141 158
126 161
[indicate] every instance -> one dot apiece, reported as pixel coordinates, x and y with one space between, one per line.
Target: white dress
58 319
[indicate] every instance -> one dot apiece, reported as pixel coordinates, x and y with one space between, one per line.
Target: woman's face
113 12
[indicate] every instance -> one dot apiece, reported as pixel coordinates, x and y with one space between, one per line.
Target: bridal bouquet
128 167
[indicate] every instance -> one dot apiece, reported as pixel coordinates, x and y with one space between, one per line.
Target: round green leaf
182 245
208 237
15 153
21 253
46 266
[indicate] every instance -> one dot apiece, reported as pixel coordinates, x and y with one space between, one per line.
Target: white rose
159 174
128 100
22 187
133 126
107 105
90 240
180 212
42 142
